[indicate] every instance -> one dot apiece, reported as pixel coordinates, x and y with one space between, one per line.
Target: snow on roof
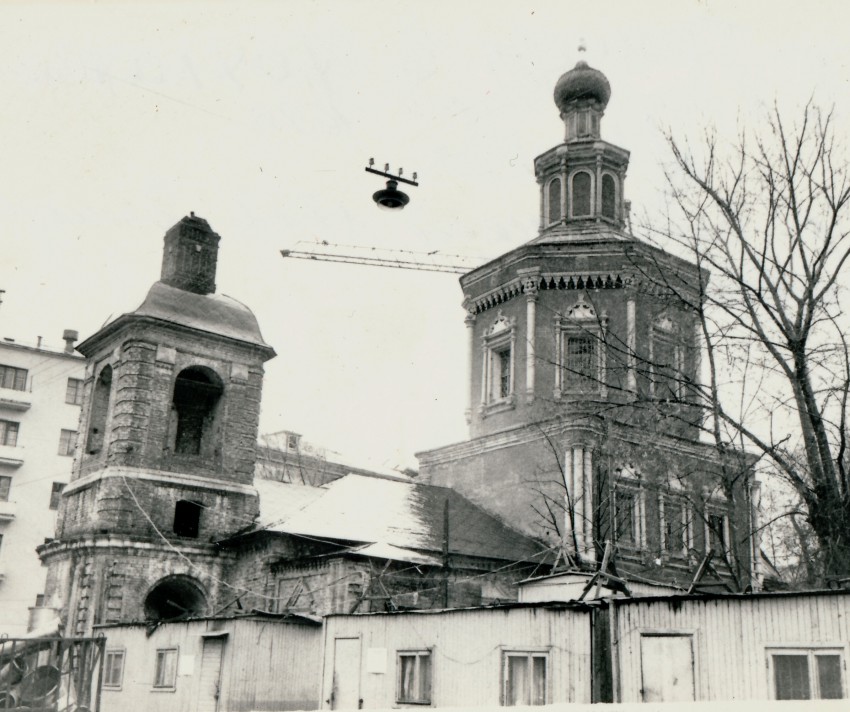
402 515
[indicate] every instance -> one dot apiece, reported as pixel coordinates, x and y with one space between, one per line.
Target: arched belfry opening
99 411
196 403
175 597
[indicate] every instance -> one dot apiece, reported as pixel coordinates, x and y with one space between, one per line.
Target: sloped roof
402 515
215 313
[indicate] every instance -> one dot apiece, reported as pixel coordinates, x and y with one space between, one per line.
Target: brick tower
166 450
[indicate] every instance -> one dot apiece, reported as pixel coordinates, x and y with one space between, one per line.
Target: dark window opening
187 518
554 200
99 411
196 395
581 194
175 597
609 197
56 494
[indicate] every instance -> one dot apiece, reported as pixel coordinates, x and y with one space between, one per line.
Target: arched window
582 189
554 200
197 392
99 411
609 196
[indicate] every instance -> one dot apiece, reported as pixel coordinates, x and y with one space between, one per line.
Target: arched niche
195 407
99 411
173 597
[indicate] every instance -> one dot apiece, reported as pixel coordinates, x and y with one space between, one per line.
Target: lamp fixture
391 198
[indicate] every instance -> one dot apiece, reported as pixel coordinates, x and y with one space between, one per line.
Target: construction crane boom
328 253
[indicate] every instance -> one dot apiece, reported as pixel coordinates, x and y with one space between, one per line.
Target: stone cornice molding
160 477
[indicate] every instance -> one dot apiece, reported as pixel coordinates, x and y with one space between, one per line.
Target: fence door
210 683
667 668
345 694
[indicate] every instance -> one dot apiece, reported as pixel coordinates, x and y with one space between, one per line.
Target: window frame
498 338
628 481
5 491
811 651
547 207
159 685
74 391
19 377
108 684
6 429
581 321
664 331
685 539
592 197
713 509
616 181
417 654
528 654
70 443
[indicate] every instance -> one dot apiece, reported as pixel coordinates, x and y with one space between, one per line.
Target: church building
584 373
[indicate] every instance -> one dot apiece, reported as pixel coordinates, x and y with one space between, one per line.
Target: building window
9 432
807 674
676 526
553 196
197 393
666 360
5 486
67 442
609 197
14 378
499 359
524 677
113 668
39 600
165 673
187 518
717 532
582 194
74 391
99 411
580 367
629 516
414 677
581 352
56 494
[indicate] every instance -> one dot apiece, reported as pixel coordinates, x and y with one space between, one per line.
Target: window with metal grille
5 486
67 442
56 494
524 675
503 370
12 377
165 672
580 369
9 432
676 528
807 674
414 677
113 668
74 391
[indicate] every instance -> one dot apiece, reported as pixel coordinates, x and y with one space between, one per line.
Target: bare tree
768 218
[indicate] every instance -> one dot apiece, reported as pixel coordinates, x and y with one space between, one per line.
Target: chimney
70 336
190 256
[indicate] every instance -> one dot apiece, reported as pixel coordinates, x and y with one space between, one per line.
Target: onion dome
582 83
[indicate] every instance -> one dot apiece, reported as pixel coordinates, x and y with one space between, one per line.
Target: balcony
11 456
7 511
11 399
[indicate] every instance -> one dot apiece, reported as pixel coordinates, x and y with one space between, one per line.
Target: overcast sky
120 118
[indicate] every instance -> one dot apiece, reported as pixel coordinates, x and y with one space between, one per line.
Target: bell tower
165 462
